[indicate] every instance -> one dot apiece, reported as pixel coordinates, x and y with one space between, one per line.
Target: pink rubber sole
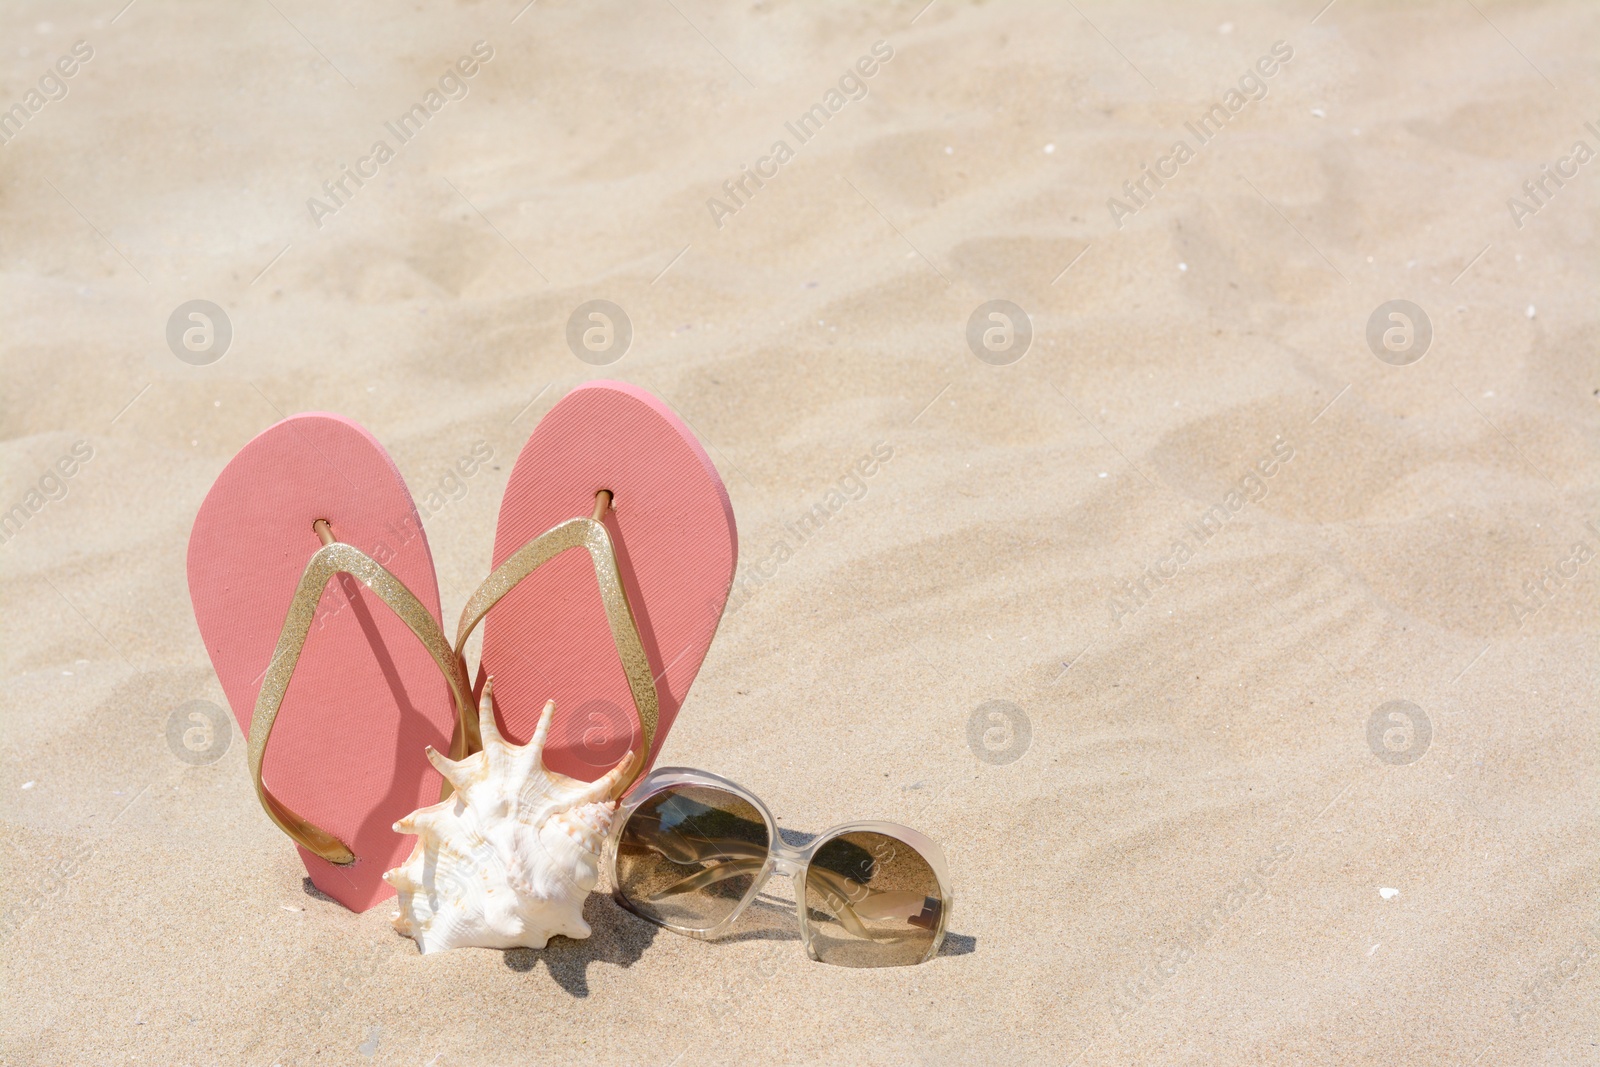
672 526
366 699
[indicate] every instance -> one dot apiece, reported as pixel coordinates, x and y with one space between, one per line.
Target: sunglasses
690 850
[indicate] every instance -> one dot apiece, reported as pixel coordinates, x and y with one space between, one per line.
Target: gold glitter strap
590 534
335 557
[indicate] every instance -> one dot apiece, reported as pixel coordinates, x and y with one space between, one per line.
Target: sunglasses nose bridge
784 860
786 866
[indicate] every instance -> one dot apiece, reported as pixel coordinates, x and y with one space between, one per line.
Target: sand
1189 843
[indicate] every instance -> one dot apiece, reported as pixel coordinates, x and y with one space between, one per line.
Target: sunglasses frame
780 859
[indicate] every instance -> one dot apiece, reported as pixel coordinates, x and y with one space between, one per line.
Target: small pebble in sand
1318 113
1182 267
1103 474
1049 148
1531 312
28 785
1387 893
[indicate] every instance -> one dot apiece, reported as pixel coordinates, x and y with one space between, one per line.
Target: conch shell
508 859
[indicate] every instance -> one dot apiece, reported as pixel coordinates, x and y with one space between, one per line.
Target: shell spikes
507 860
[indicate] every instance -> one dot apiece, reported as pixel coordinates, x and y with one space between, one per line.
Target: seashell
507 860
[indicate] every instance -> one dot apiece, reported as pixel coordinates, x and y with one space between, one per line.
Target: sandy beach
1222 598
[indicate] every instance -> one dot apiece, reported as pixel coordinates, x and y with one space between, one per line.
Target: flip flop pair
315 593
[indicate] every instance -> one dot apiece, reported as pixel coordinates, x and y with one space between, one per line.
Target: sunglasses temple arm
692 849
743 858
837 887
710 876
841 891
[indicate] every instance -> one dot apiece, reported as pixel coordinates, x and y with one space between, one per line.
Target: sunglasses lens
689 854
872 901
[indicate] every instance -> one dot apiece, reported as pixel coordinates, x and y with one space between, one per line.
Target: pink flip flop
612 469
350 680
